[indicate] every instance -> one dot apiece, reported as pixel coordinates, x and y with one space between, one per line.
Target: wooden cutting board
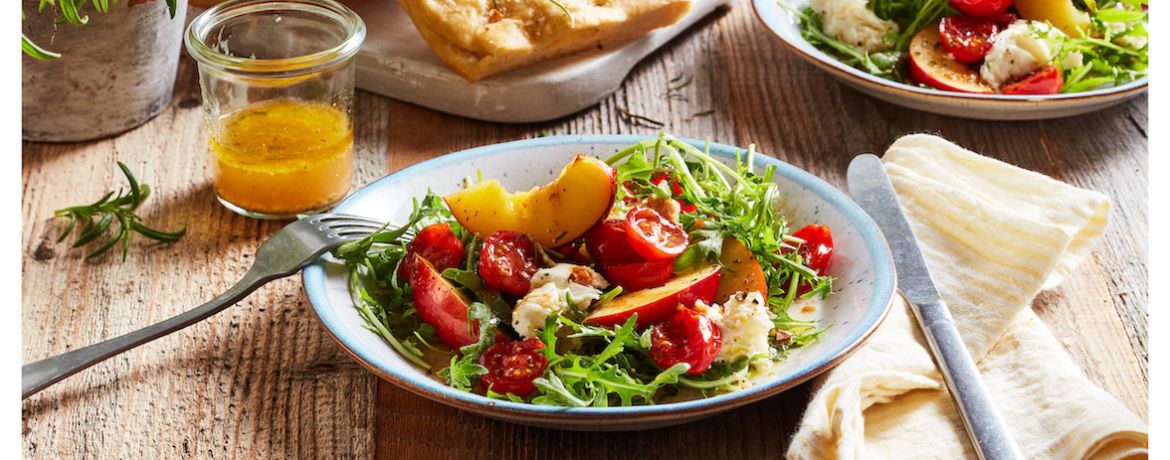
395 61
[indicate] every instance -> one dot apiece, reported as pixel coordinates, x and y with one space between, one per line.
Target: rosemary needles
95 219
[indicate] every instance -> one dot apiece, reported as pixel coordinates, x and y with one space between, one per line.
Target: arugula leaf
883 64
462 373
464 369
705 247
622 337
720 374
430 208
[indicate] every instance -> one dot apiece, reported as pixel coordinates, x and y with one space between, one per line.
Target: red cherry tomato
686 337
982 8
1047 80
634 276
817 248
653 236
967 38
608 244
507 262
513 365
438 245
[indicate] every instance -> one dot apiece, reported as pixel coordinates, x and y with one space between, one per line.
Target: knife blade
871 189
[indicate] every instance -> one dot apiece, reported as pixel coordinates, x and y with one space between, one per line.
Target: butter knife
871 189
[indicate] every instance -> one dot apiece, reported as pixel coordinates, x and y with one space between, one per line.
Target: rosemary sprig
120 207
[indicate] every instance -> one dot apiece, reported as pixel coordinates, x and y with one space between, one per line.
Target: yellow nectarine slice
1062 14
554 214
743 272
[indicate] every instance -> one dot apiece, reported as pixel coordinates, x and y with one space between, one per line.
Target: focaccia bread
479 38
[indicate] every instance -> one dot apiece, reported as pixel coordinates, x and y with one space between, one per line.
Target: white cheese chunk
1017 51
745 323
551 286
852 22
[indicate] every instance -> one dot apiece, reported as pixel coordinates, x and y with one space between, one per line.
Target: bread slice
480 38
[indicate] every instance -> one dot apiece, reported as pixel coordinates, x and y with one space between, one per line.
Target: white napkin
993 235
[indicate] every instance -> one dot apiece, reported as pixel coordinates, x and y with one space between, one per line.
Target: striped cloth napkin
994 236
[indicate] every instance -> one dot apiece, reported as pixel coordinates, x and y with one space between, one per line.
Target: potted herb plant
93 68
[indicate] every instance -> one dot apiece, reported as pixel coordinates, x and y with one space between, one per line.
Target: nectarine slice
743 272
932 65
654 305
554 214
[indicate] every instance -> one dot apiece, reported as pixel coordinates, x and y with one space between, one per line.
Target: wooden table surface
264 380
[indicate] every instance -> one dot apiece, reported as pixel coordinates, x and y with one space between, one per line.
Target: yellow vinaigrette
283 157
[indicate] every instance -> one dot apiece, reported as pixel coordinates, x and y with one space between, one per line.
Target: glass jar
278 79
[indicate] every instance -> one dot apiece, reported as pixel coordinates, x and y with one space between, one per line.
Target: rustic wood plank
264 380
259 380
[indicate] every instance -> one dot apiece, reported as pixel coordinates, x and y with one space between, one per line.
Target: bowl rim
840 69
314 281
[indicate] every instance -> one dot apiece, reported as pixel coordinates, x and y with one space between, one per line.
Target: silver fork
288 251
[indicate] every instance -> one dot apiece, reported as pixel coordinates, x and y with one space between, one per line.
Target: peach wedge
556 213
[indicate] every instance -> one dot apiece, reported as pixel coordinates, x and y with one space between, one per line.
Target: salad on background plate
1010 47
659 274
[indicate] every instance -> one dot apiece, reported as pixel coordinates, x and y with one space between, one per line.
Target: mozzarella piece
551 286
565 276
534 309
1017 51
852 22
745 323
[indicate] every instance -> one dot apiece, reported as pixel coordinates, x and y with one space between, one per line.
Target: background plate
786 27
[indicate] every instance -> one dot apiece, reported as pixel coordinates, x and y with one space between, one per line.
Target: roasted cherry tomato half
512 365
608 244
438 245
967 38
686 337
1046 80
817 248
653 236
982 8
507 262
634 276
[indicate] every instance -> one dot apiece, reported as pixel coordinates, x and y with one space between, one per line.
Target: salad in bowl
659 274
1006 47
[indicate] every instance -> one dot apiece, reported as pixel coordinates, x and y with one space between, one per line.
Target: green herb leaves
71 12
113 207
465 369
1114 52
882 64
35 51
618 373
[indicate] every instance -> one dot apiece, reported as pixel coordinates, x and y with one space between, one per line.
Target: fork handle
41 374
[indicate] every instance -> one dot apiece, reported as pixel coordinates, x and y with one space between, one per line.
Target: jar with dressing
277 79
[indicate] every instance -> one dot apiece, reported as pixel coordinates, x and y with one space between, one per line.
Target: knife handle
985 427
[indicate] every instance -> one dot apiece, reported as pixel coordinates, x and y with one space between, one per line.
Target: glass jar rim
206 54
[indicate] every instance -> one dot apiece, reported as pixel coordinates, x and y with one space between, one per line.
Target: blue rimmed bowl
786 26
862 265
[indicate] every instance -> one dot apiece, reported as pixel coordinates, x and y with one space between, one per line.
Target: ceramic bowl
786 26
862 266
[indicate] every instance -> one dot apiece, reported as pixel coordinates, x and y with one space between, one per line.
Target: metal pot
115 73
